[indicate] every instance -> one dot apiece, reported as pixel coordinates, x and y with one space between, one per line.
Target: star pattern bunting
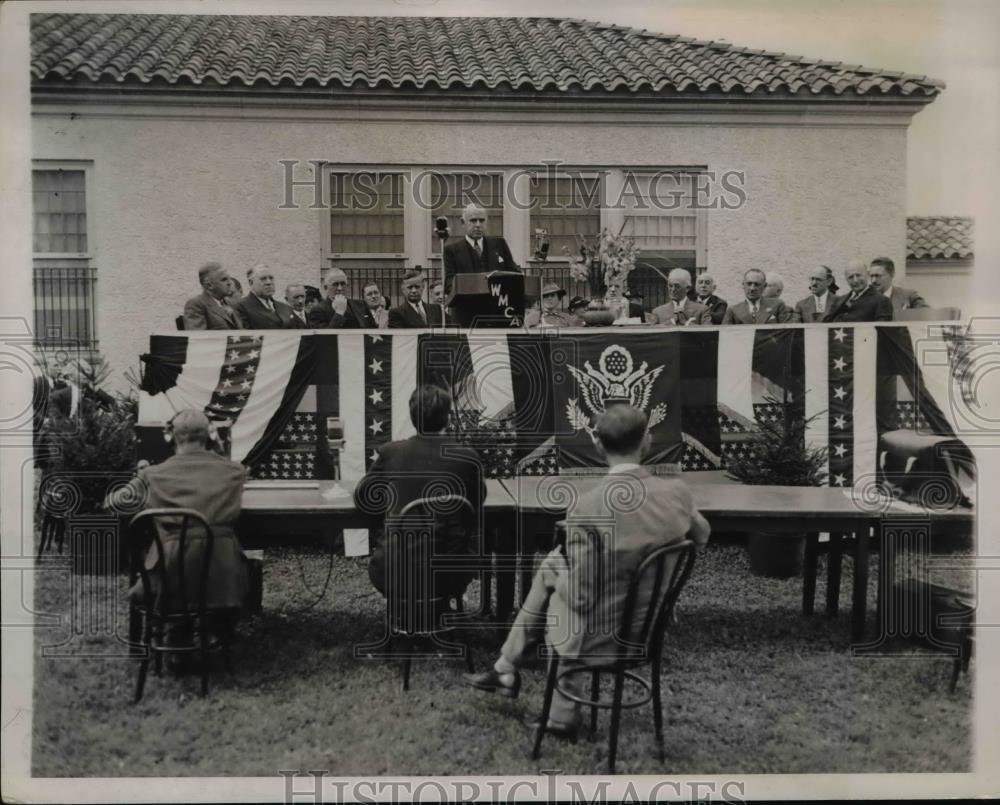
294 456
378 395
235 378
841 406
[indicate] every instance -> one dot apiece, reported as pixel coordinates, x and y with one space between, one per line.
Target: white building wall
168 193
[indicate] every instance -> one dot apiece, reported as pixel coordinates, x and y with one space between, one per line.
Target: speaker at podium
497 299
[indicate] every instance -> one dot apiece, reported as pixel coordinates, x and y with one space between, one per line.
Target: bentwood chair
418 560
172 618
663 573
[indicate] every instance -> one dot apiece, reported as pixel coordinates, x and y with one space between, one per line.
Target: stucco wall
167 194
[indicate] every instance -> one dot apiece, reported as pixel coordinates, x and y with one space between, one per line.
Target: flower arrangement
605 260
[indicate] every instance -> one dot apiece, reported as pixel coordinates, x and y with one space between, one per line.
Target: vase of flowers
604 263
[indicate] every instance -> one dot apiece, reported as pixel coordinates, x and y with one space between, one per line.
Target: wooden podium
497 299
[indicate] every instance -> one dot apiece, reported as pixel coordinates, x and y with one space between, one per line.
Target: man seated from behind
427 464
578 595
200 479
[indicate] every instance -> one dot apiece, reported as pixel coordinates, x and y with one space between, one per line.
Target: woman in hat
576 307
549 314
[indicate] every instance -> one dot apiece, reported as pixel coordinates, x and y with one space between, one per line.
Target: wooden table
520 514
542 500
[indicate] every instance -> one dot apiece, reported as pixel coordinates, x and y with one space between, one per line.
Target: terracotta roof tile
535 54
939 238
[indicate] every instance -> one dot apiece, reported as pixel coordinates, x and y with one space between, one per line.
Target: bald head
856 275
190 427
775 286
704 285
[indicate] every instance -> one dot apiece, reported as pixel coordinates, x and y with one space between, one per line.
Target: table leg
809 573
834 567
860 601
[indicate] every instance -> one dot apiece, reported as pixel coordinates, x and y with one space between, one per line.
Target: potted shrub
777 455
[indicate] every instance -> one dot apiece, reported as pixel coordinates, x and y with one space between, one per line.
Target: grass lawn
750 687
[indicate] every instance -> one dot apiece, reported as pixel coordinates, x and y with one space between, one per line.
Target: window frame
326 210
87 167
601 174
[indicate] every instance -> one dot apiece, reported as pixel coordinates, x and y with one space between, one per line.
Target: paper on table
334 492
355 542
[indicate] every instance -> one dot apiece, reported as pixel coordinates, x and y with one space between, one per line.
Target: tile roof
511 53
939 237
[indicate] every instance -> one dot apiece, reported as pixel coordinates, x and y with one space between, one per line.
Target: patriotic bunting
306 406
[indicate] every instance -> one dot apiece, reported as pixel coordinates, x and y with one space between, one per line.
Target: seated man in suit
295 297
210 309
259 310
775 287
680 310
755 309
577 596
881 274
704 294
336 311
862 303
820 299
428 463
376 304
194 478
413 312
475 253
549 314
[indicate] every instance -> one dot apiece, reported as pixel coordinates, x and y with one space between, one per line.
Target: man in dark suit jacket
428 463
704 294
755 309
881 276
862 302
295 296
259 310
210 309
820 300
577 597
414 312
475 253
337 311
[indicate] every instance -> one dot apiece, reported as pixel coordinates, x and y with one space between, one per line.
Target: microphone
541 244
441 227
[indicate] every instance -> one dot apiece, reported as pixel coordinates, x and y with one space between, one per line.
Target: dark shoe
490 681
568 732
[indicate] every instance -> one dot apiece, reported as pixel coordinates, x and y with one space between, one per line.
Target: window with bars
450 192
60 212
63 275
366 214
565 207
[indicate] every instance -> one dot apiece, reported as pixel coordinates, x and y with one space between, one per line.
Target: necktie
420 310
820 307
479 246
753 313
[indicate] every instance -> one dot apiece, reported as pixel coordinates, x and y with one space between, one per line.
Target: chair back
928 314
179 323
172 584
658 579
417 543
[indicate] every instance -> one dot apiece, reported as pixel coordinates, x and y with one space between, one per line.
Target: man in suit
259 310
548 313
680 310
862 302
881 274
194 478
376 304
295 297
428 463
336 311
476 253
775 287
577 596
820 299
414 312
210 309
436 293
755 309
704 294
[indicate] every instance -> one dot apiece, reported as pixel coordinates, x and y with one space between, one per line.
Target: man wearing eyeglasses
476 253
336 311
